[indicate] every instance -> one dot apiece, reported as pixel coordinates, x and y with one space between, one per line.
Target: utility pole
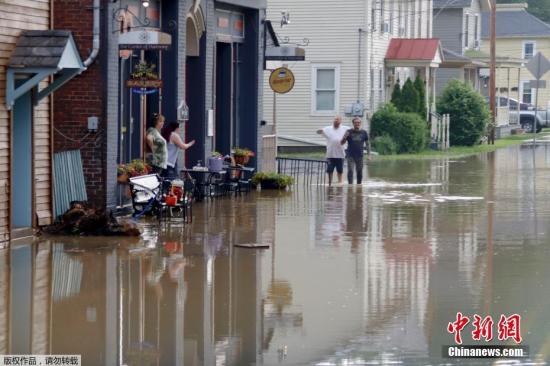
492 71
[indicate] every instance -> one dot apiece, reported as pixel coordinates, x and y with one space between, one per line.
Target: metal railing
306 171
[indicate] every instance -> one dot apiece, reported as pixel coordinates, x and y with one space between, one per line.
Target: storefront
203 59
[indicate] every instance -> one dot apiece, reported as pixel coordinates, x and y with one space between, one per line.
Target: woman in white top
171 134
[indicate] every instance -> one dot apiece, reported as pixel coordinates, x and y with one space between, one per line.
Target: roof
39 48
459 4
451 56
452 4
515 23
425 49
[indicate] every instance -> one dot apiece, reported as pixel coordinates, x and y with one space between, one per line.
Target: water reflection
354 275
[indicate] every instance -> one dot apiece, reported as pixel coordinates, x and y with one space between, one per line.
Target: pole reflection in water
354 274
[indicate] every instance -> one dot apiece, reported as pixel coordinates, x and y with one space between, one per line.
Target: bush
469 114
409 98
384 145
421 89
396 95
407 130
269 180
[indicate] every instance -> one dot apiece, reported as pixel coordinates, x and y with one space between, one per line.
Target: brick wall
80 98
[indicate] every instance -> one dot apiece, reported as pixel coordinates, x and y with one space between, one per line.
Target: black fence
306 171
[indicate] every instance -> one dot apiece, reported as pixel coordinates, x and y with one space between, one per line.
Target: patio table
204 179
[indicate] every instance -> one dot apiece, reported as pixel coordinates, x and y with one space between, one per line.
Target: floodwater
355 275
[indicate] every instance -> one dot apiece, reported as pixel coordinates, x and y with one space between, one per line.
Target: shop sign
281 80
144 80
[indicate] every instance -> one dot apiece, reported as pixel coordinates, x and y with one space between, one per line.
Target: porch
411 58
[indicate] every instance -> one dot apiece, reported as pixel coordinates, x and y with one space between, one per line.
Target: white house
350 57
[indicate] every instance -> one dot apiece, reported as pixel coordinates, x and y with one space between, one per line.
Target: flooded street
354 275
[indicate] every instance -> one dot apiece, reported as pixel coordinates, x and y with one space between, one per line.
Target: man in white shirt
335 151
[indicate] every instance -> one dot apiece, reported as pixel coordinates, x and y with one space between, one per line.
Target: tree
468 112
421 89
409 98
396 95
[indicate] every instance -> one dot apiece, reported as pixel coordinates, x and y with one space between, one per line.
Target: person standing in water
335 151
357 138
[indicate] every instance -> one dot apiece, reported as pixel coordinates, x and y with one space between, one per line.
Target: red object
172 246
412 49
171 200
457 326
483 328
509 327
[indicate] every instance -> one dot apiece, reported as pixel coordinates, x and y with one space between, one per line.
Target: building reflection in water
349 275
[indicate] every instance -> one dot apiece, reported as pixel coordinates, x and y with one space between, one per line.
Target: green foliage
421 89
272 180
384 145
409 98
468 111
242 151
396 95
407 130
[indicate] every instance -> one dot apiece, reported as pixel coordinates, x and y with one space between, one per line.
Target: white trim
521 92
313 99
523 48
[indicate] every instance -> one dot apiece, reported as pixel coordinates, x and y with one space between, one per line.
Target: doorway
224 103
21 197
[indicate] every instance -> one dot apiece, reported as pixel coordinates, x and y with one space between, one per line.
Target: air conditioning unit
385 28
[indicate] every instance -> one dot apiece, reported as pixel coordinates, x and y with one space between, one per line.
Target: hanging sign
144 77
281 80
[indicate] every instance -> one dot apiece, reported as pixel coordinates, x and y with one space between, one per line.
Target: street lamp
145 3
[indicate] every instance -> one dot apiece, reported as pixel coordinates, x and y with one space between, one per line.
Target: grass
454 151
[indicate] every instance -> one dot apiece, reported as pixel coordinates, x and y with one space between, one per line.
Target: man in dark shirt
356 138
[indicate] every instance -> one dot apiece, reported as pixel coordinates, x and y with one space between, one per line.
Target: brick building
209 55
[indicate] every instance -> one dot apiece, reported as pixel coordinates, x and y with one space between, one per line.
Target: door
21 164
224 100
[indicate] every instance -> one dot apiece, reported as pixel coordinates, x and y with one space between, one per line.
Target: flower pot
122 178
241 159
215 164
270 184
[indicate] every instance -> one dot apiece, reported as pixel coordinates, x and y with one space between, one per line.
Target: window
529 49
466 32
325 89
380 86
526 92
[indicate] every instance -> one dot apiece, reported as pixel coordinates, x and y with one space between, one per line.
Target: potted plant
269 180
135 168
121 174
242 155
215 162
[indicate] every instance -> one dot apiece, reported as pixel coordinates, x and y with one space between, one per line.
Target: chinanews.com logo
508 329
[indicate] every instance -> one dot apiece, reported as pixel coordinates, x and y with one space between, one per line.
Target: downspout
95 43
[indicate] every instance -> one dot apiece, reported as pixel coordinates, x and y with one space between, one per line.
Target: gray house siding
448 28
444 75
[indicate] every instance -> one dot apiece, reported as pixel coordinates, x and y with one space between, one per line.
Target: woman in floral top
157 145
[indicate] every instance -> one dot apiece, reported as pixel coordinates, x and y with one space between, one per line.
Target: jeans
356 163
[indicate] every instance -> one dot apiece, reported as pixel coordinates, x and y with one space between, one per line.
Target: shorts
335 163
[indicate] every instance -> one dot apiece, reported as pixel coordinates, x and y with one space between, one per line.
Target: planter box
215 164
270 184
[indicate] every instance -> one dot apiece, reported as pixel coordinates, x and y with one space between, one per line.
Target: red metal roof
412 49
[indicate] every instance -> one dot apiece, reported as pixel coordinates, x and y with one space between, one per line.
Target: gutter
95 43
